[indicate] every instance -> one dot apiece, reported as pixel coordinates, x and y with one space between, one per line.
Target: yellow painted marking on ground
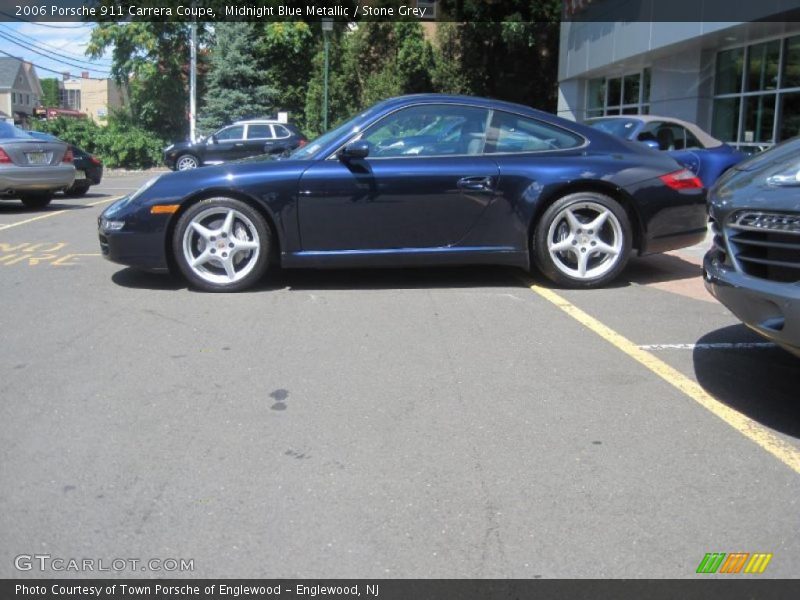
53 214
99 202
32 219
39 253
786 453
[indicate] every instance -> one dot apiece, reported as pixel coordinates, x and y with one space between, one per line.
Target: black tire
582 244
76 190
39 200
247 227
183 162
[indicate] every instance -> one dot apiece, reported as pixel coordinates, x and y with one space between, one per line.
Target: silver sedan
32 170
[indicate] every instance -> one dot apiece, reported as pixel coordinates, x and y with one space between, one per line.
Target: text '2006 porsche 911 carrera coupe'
412 181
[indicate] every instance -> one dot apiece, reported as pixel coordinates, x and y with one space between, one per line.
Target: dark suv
240 140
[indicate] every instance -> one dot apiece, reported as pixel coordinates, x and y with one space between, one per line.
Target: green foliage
49 91
237 85
119 145
285 52
149 59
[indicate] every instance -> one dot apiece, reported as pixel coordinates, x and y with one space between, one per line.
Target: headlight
107 225
143 189
168 148
790 176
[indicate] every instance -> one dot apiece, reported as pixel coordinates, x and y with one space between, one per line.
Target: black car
514 186
753 267
243 139
88 168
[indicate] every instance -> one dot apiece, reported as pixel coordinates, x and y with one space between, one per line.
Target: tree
285 52
237 86
150 60
50 95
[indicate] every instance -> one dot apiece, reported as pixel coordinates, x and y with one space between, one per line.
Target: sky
56 46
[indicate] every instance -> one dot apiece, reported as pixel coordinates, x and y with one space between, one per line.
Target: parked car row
243 139
34 166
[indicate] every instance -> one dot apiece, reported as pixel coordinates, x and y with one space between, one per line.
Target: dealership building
738 80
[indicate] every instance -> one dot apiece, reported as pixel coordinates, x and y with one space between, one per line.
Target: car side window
230 133
429 130
281 131
259 131
692 141
668 135
511 133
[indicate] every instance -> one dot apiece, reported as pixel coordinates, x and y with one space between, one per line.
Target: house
20 90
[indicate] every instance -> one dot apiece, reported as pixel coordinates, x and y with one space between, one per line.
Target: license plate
38 158
80 174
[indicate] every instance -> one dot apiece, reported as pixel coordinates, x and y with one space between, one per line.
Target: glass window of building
757 94
627 95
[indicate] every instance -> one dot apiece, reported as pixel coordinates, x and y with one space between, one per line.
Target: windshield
314 146
8 131
623 128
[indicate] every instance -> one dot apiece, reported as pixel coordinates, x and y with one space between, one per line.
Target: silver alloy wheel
221 245
186 162
585 240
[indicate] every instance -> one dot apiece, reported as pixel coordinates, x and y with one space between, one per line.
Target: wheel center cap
221 244
584 239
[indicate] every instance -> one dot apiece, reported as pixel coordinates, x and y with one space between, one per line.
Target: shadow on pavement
659 268
346 279
15 207
761 383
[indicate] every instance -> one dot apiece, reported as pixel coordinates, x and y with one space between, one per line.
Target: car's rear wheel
221 245
582 240
186 162
36 200
76 190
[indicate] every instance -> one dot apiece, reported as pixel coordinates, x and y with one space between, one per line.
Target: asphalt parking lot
469 422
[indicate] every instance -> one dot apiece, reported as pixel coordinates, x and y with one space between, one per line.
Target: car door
410 192
257 136
227 144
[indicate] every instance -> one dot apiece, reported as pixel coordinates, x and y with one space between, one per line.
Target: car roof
252 121
706 139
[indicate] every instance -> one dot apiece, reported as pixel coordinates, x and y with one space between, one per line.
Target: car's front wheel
186 162
221 245
582 240
36 200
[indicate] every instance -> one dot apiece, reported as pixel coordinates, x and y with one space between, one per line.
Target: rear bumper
768 307
36 179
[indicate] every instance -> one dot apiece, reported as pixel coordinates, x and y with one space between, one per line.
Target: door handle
476 184
239 144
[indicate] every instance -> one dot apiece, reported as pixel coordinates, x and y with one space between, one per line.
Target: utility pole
193 83
327 27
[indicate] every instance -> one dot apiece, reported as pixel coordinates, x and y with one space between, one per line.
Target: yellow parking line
786 453
53 214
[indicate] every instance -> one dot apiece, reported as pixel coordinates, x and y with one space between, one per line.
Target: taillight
302 143
682 180
4 158
68 156
95 160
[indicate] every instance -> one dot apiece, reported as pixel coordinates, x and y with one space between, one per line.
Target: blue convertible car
706 156
417 180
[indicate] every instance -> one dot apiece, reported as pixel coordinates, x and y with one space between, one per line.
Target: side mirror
212 139
651 144
354 150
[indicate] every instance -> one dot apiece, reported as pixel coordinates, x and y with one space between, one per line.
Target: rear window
281 131
8 131
513 133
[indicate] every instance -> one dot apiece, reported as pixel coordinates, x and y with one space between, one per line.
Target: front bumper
36 179
768 307
137 244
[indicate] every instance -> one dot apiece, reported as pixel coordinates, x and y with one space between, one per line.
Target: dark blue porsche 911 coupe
417 180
